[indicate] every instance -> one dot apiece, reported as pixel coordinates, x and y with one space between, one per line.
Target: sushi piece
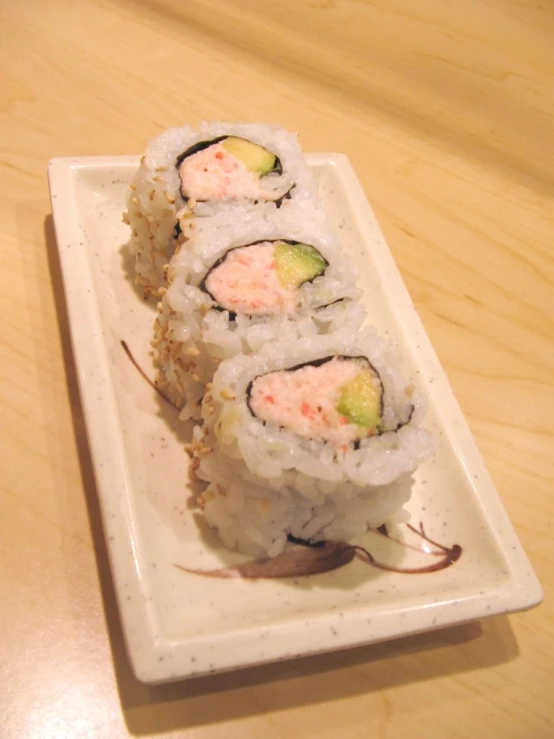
317 439
239 286
186 176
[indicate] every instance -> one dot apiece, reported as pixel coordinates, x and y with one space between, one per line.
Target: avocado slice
297 263
257 159
361 400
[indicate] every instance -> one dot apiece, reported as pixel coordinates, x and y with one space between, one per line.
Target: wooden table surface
447 111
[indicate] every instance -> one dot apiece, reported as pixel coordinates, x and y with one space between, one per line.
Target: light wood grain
447 111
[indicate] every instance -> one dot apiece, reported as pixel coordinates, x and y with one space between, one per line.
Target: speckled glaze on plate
178 624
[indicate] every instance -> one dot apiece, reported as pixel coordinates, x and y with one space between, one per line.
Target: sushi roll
188 175
239 286
316 439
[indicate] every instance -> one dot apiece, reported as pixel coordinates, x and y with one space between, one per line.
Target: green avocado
297 263
361 399
257 159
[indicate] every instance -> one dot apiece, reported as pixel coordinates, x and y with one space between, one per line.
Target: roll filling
227 168
337 399
263 278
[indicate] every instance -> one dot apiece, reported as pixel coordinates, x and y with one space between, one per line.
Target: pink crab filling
246 283
305 400
214 174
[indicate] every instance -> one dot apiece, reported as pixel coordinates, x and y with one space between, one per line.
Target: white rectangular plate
178 624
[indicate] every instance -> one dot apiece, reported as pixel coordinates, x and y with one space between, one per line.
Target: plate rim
153 658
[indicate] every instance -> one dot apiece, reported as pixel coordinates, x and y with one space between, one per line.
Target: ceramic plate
458 560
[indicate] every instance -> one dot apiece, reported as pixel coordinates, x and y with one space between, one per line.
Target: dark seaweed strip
333 302
305 542
403 423
324 360
286 196
195 148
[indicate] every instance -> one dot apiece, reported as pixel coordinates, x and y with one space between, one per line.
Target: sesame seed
227 395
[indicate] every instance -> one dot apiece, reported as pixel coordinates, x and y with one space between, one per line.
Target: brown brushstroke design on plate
143 374
313 559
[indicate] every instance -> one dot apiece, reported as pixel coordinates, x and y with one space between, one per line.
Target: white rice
257 520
